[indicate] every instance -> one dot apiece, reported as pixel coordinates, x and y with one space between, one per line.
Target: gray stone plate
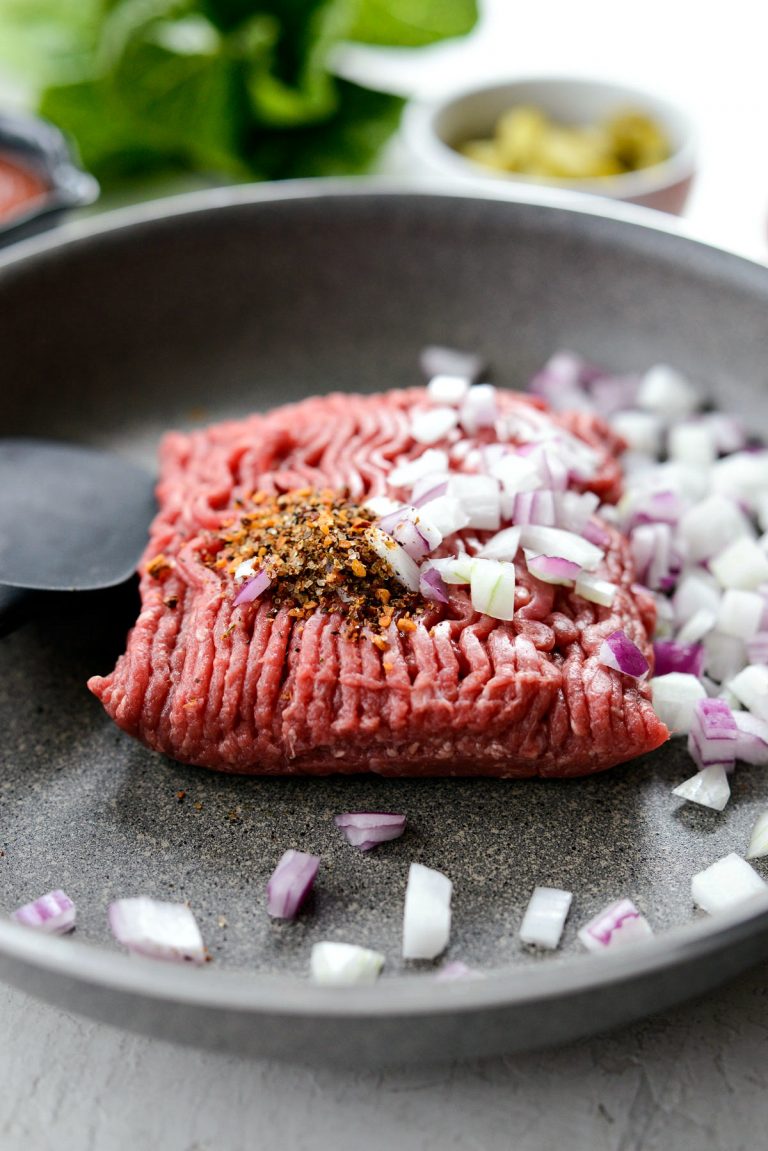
212 305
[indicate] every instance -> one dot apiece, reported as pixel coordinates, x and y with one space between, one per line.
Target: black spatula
71 519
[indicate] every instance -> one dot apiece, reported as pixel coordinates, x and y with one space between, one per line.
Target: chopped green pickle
529 142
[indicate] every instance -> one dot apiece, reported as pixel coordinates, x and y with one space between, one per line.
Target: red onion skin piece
620 653
671 656
604 929
435 586
252 589
290 884
433 494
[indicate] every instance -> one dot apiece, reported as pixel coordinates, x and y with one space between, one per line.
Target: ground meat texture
259 690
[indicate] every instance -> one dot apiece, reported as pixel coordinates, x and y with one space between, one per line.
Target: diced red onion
344 964
556 542
699 624
728 432
53 913
573 511
742 476
709 787
534 508
252 589
596 534
502 546
492 588
553 569
290 883
479 408
675 696
725 884
595 589
751 738
366 829
672 656
436 360
642 431
432 586
433 425
545 917
758 842
692 442
725 655
612 394
157 929
618 925
750 687
426 490
617 651
427 913
655 508
404 568
413 530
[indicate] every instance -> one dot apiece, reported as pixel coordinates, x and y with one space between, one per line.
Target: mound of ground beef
345 671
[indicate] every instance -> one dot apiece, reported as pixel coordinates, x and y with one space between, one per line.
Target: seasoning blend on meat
412 583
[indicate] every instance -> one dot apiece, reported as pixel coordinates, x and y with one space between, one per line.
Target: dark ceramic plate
215 304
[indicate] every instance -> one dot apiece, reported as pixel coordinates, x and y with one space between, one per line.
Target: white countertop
691 1080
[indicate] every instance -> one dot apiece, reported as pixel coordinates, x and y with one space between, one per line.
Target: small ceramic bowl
432 133
39 148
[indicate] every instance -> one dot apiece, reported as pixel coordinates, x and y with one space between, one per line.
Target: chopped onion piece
454 569
556 542
431 586
696 591
432 460
758 842
366 829
711 525
642 431
447 515
674 699
436 360
492 588
618 652
757 648
382 505
516 474
725 655
480 498
157 929
252 589
740 613
697 626
445 389
743 476
503 546
618 925
479 408
413 530
434 424
53 913
726 883
595 589
553 569
403 567
427 913
743 564
693 442
712 736
751 738
290 883
545 917
670 655
709 788
534 508
428 488
750 687
573 511
245 570
668 393
728 431
344 964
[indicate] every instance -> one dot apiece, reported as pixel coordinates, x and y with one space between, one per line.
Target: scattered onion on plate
618 925
366 829
54 913
545 917
344 964
427 913
290 883
725 883
157 929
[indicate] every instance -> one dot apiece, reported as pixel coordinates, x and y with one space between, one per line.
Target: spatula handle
15 608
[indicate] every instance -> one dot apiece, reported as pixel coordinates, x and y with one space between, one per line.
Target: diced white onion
750 686
344 964
432 460
758 842
708 787
157 929
595 589
479 408
480 498
743 476
743 564
545 917
503 546
447 514
641 430
245 570
405 569
752 738
434 424
693 443
740 613
618 925
674 699
701 622
492 588
382 505
724 655
668 393
454 569
556 542
696 590
726 883
517 473
427 913
711 525
446 389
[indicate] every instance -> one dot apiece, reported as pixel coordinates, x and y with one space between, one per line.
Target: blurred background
164 95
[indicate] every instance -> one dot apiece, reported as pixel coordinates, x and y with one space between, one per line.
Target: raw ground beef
252 689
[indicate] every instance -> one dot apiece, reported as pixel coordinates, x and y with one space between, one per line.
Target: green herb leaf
412 23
